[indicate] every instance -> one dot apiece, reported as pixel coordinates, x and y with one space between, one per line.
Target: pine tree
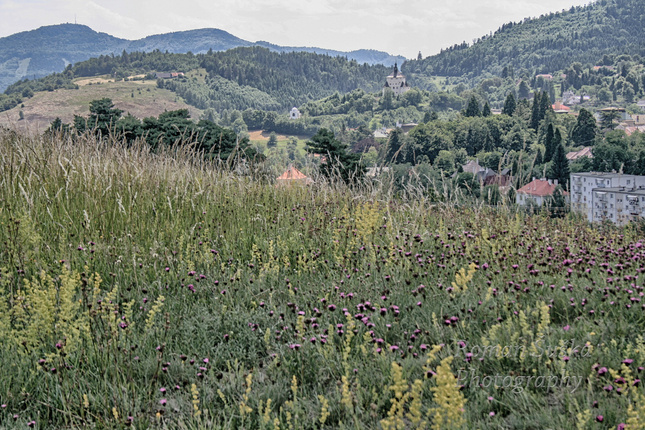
549 143
560 167
535 111
584 132
545 105
509 105
486 111
473 108
393 154
339 162
524 90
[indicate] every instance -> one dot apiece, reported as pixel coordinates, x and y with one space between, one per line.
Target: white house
294 114
537 192
396 82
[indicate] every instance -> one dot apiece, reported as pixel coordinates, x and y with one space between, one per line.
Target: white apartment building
608 196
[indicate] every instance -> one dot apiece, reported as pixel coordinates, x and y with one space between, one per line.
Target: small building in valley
536 192
293 176
295 113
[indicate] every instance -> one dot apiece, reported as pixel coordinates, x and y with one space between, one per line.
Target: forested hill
546 44
37 53
292 78
240 78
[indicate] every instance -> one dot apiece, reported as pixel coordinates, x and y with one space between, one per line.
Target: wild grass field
141 98
156 290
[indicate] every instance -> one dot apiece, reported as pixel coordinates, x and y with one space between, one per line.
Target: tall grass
161 290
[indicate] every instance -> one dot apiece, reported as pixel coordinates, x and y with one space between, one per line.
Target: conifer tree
486 111
473 108
584 132
339 162
535 110
549 143
560 167
509 105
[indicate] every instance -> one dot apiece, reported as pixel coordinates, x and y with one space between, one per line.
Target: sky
401 27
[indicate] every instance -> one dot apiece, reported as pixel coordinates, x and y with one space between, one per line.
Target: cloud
397 26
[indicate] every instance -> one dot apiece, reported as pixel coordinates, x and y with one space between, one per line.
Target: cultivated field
157 291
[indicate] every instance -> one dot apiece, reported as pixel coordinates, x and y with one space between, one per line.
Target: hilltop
140 98
37 53
546 44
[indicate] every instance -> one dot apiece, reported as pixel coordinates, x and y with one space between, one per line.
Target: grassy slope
40 110
193 288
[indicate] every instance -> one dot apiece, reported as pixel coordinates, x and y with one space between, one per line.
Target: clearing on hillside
140 98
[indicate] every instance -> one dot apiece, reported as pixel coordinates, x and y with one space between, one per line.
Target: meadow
141 98
157 290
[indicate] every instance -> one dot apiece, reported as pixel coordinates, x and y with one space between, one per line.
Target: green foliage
169 129
550 42
584 132
157 290
468 183
560 167
509 105
472 110
292 78
338 161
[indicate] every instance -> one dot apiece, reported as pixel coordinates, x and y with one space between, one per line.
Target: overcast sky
402 27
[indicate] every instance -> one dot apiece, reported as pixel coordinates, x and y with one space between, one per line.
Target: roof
584 152
472 167
601 174
558 106
293 174
538 188
631 130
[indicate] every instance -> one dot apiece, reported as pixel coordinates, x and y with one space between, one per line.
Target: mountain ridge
545 44
49 49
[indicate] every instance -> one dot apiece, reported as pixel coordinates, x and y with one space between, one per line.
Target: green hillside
140 98
545 44
241 78
49 49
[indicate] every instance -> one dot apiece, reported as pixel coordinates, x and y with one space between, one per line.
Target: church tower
396 82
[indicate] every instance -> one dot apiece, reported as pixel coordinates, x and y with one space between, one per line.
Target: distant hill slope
546 44
369 56
241 78
37 53
139 98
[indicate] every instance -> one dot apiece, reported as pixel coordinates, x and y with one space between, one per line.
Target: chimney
549 181
533 178
555 182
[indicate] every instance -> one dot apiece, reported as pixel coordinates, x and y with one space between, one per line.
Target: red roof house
293 176
537 191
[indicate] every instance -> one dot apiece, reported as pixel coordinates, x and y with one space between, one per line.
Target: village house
173 75
293 176
559 107
536 192
584 152
487 176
